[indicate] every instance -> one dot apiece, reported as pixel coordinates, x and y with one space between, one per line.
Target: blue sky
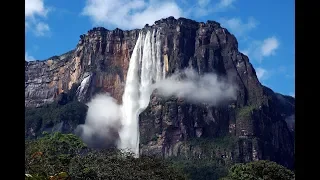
264 28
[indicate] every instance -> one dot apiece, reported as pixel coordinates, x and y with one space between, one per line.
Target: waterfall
146 59
146 71
160 75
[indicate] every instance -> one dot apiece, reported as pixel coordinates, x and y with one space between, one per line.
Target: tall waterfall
146 59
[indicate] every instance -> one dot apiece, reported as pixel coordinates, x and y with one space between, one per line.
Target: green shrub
245 112
56 154
259 170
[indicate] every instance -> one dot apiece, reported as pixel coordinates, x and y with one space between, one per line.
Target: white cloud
225 3
203 3
102 122
269 46
128 14
197 89
245 52
206 7
258 50
237 26
42 29
26 25
27 57
292 94
35 9
262 73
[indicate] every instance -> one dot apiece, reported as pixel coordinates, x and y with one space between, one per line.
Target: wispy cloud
269 46
223 4
27 57
35 10
292 94
262 73
258 50
203 3
128 14
197 89
35 7
239 27
42 29
206 7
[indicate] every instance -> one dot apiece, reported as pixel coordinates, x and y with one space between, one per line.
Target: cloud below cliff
194 88
102 125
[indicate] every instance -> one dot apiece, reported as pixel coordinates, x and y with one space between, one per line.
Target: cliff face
255 126
99 62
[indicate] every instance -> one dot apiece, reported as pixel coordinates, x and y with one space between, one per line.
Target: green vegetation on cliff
222 143
46 117
66 109
245 112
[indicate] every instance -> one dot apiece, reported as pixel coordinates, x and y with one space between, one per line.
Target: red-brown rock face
102 54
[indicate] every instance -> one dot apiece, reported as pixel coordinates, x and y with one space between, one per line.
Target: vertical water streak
141 46
146 72
130 107
158 57
153 54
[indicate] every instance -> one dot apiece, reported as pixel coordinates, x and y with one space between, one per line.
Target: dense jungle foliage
65 156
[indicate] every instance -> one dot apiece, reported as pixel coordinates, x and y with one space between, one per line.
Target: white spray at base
145 59
108 121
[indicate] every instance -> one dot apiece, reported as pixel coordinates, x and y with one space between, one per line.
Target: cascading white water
160 75
146 71
129 98
146 58
153 54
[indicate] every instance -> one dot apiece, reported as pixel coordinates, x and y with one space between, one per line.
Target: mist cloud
290 120
194 88
102 122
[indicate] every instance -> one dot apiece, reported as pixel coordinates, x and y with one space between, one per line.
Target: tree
115 164
65 156
51 154
259 170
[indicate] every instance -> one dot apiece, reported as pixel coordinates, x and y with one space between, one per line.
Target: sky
264 28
